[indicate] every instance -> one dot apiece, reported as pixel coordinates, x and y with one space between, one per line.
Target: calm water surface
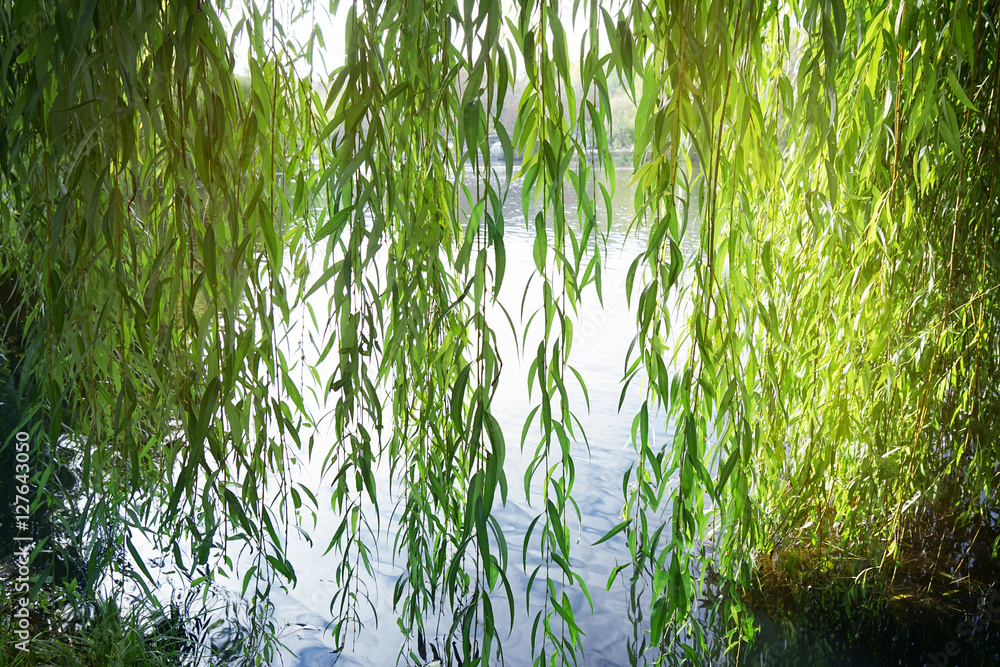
601 339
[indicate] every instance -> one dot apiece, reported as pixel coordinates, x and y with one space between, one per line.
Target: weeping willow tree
824 365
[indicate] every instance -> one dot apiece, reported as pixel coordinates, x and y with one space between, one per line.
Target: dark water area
936 603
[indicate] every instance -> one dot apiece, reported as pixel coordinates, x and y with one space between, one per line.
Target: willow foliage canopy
836 361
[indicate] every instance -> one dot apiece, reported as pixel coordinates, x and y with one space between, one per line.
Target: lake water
602 337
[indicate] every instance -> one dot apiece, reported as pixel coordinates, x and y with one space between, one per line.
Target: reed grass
110 637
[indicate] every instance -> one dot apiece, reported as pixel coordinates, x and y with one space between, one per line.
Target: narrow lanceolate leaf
614 531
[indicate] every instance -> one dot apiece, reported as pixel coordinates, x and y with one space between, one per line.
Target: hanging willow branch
821 367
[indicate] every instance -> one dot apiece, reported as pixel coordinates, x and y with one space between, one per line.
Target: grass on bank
110 637
937 602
